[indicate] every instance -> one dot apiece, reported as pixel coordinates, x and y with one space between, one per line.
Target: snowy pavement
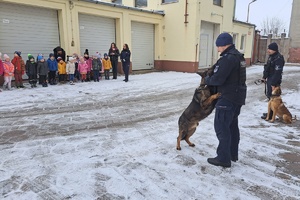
117 140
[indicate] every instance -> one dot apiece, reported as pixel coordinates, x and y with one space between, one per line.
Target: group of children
84 68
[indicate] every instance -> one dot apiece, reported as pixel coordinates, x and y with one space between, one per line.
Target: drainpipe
186 14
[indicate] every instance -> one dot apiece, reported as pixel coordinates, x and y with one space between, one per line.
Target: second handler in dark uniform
272 74
229 79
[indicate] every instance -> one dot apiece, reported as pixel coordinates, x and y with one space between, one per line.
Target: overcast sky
261 9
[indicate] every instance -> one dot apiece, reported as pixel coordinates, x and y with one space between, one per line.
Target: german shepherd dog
201 106
276 105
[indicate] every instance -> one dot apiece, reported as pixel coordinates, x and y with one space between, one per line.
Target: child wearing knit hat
106 63
52 65
88 61
42 69
19 64
71 69
61 70
31 70
8 72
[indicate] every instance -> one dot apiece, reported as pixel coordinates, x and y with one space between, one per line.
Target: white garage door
28 29
96 33
142 49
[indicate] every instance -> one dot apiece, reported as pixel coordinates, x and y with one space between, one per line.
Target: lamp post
248 10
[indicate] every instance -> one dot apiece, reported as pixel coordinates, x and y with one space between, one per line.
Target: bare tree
274 25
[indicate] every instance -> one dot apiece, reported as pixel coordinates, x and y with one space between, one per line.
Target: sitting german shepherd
276 105
201 106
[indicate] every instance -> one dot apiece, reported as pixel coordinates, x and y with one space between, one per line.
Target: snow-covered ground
117 140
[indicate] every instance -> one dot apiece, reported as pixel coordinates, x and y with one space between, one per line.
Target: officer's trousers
227 129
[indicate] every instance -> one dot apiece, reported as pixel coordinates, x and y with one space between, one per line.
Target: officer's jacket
229 76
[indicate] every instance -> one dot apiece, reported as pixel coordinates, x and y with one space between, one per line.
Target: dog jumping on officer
202 105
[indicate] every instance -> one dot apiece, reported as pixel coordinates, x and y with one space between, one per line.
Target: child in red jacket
19 64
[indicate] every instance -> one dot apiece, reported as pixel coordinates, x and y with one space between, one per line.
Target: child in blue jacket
52 65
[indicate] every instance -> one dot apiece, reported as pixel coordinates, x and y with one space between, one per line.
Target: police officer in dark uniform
272 74
229 79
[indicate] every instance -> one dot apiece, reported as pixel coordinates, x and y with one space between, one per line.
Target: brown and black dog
202 105
276 105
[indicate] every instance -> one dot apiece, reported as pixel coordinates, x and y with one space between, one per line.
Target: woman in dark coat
114 54
125 59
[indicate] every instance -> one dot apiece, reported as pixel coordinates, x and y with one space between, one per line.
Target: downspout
186 14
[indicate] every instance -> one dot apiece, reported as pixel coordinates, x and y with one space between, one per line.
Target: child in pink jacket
82 68
9 69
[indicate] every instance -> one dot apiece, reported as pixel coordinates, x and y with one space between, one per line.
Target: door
96 33
142 51
31 30
206 44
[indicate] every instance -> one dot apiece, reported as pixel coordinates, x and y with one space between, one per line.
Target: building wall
181 35
177 33
294 35
69 25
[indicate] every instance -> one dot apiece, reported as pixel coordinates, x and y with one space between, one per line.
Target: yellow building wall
181 40
177 34
69 25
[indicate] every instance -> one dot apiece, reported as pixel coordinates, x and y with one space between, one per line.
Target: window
217 2
116 1
169 1
243 41
235 37
140 3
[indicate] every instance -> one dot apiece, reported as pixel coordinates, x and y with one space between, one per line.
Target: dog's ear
279 90
202 74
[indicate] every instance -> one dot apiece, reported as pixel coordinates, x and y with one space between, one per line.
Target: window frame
243 42
169 1
120 2
235 37
218 2
135 2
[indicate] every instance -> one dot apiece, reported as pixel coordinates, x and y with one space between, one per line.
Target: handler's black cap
224 39
273 46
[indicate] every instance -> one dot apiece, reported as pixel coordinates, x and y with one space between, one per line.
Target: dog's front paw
192 145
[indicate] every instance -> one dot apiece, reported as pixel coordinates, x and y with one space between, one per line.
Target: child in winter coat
8 72
106 66
82 68
71 69
1 68
61 70
31 70
1 65
19 65
42 69
77 74
97 67
52 65
88 61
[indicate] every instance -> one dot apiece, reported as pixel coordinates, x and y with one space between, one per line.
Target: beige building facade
175 35
294 35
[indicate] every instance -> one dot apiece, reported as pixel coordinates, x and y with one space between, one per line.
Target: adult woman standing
113 54
125 59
